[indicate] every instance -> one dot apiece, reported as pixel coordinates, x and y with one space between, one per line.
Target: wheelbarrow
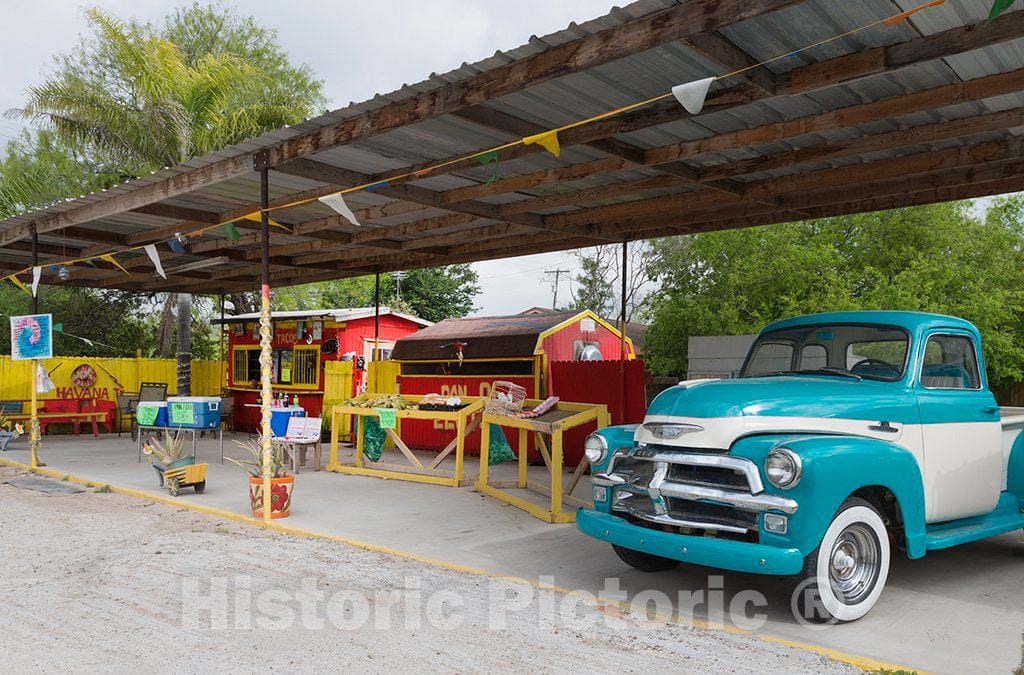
182 473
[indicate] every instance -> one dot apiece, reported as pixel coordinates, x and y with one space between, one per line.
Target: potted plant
167 454
281 482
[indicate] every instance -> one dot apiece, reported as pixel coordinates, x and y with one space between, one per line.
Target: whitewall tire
849 568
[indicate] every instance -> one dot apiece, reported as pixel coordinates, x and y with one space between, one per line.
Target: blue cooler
279 419
194 412
152 413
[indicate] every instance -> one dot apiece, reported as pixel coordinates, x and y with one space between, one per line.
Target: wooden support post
376 332
335 434
556 471
485 448
360 434
622 334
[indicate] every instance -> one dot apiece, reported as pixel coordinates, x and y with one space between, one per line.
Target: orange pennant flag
903 16
17 282
547 140
110 259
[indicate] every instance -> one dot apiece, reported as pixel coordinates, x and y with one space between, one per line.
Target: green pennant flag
231 231
90 263
486 158
58 327
998 7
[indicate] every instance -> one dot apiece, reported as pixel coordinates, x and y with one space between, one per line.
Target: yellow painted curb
862 662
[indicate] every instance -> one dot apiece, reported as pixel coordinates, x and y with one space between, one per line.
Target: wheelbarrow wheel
200 487
173 486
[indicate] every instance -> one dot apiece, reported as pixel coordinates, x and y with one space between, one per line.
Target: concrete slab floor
958 610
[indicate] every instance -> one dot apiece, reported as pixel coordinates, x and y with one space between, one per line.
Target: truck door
960 430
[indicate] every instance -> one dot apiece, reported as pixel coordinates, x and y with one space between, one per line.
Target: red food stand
303 342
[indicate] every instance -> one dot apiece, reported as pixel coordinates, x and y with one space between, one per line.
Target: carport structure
927 109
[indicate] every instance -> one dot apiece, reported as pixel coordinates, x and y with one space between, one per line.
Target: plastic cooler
152 413
279 419
194 412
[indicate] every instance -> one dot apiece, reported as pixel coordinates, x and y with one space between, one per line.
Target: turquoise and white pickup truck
847 437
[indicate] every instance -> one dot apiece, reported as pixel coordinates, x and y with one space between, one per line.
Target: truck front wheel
844 577
645 562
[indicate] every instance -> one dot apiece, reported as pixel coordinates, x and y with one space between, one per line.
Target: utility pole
553 277
398 276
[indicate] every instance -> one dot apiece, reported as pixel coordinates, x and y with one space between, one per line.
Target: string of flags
690 95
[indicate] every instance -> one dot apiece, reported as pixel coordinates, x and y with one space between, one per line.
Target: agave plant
165 451
255 466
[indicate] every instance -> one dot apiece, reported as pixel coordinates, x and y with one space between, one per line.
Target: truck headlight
782 467
595 448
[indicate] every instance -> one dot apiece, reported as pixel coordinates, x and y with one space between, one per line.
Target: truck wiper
830 371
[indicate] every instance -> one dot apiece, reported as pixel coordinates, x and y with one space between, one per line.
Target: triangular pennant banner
255 217
231 231
43 381
110 259
90 263
53 268
903 16
337 202
378 184
998 7
176 246
17 282
691 95
547 140
486 158
37 274
154 256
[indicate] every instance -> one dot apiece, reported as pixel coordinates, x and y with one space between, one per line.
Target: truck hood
785 395
723 410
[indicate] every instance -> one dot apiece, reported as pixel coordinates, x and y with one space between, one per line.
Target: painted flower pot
280 496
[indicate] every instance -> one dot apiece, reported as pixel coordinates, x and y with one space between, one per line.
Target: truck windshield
842 350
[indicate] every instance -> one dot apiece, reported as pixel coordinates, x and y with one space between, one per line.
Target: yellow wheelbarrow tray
191 475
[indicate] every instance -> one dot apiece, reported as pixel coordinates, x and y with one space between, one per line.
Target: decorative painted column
266 392
33 425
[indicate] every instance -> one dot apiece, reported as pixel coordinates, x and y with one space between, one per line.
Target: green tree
132 98
938 258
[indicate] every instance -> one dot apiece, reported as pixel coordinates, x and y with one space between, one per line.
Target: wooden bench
73 418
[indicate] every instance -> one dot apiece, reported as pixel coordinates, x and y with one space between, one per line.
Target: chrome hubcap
854 563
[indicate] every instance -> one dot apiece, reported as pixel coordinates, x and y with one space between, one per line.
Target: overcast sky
357 48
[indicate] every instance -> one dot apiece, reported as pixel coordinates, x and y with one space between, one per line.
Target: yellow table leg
524 437
556 472
485 447
360 431
460 447
335 434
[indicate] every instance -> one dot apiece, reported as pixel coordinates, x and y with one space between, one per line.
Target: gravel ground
101 581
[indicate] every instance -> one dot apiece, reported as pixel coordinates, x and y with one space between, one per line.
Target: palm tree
141 104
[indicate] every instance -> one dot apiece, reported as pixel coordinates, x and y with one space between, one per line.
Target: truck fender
836 467
1015 468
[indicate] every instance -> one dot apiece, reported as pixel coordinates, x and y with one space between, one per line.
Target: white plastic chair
302 432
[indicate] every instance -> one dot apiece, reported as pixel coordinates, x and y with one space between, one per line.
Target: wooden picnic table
74 418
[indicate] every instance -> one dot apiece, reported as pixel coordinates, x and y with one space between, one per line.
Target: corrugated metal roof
556 101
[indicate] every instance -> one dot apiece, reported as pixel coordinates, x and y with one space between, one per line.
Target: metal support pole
622 331
266 437
376 332
223 366
33 426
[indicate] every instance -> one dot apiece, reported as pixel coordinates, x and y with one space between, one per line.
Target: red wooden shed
303 342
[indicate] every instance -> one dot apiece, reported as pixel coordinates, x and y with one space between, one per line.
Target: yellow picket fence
337 389
111 375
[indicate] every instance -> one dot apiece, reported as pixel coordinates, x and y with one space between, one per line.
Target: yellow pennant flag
110 259
256 218
17 282
547 140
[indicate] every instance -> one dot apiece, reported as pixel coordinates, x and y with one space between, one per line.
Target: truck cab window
813 357
950 363
770 357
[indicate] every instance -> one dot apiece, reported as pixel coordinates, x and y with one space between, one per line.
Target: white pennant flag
337 202
43 381
37 272
691 95
155 258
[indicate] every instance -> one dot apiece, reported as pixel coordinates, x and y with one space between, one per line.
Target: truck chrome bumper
719 553
734 498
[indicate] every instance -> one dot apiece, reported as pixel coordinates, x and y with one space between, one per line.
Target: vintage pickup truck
846 437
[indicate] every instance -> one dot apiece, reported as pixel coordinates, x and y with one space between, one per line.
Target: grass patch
105 490
66 478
